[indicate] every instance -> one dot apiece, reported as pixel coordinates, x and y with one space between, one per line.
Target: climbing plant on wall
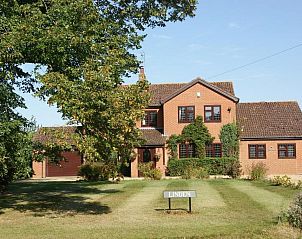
229 137
195 133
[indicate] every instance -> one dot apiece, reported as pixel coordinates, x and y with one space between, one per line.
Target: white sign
179 194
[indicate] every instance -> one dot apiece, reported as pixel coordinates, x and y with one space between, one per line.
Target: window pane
150 119
252 151
217 113
261 154
291 150
208 115
282 147
217 150
216 110
191 151
182 115
282 154
186 113
153 118
190 116
182 151
208 108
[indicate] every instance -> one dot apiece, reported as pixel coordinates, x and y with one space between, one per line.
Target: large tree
82 50
15 142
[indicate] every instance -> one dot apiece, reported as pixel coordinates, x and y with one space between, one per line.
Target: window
212 113
186 114
186 151
146 156
150 119
214 151
286 151
257 151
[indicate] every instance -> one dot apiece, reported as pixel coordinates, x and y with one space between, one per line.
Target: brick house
271 132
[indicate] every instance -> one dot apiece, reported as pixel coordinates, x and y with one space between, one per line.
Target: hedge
214 166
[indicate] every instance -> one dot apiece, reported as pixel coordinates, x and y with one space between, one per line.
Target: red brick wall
274 165
188 98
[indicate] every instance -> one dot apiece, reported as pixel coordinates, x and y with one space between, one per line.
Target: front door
146 155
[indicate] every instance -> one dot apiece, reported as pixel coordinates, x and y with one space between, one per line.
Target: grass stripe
140 204
272 201
240 204
207 196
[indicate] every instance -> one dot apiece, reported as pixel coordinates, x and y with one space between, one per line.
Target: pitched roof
269 120
161 93
55 134
153 137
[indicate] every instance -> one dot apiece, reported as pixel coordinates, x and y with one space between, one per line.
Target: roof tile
153 137
162 91
269 120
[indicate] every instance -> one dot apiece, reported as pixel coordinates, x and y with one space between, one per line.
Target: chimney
141 75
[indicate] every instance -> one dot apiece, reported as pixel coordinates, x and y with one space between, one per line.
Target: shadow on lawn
54 199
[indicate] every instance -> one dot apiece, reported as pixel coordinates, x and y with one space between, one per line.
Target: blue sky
223 35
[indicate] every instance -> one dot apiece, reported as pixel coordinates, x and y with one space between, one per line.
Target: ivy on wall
195 133
229 137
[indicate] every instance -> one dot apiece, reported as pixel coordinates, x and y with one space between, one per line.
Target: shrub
201 173
285 181
294 213
233 169
192 171
97 171
213 166
149 172
298 184
258 171
282 181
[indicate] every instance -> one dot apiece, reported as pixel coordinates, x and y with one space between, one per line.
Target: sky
224 35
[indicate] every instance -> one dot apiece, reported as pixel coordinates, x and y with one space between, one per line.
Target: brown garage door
67 167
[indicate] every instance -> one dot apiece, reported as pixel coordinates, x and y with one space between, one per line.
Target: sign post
180 194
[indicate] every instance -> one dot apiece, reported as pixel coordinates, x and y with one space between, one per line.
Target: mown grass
136 209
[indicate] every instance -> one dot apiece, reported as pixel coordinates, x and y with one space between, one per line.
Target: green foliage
148 172
172 143
193 171
229 137
82 51
258 171
15 141
49 143
294 213
196 133
97 171
285 181
214 166
233 169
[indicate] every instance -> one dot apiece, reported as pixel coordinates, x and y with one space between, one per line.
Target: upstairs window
214 151
212 113
186 151
186 114
257 151
150 119
286 151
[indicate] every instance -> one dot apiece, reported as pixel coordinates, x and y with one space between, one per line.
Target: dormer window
186 114
150 119
212 113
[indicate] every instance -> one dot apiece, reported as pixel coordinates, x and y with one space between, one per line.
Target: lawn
136 209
